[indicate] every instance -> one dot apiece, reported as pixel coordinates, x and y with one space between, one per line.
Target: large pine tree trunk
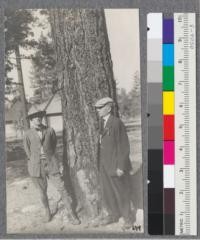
85 72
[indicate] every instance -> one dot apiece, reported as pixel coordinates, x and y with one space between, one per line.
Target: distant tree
135 95
124 102
44 76
130 102
18 35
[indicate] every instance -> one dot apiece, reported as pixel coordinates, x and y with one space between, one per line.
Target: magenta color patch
168 152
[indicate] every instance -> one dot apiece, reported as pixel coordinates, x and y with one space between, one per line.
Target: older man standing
114 166
40 146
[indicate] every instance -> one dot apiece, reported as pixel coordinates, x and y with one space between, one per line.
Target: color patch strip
155 123
154 21
169 205
169 209
168 33
168 152
168 54
168 176
152 45
168 124
154 71
168 121
168 78
168 103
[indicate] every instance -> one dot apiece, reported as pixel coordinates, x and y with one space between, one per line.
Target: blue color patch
168 54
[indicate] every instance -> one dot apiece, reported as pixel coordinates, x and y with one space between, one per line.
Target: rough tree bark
85 72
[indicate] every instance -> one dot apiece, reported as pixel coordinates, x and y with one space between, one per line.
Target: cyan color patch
168 54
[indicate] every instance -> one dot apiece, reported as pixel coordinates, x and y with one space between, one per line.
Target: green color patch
168 78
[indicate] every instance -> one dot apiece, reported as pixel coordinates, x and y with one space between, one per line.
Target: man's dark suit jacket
32 146
114 147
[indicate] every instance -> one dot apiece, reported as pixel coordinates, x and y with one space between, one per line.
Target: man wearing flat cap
114 166
40 146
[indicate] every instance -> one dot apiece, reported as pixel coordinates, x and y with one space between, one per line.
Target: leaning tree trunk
26 124
85 72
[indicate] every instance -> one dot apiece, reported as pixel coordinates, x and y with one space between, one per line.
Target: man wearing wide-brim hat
40 146
114 166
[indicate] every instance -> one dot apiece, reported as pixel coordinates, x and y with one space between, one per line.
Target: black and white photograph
73 121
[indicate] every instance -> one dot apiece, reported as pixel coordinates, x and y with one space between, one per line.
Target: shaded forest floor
24 212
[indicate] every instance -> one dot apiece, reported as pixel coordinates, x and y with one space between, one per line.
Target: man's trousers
41 184
116 194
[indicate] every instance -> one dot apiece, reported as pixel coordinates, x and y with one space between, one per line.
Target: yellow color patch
168 103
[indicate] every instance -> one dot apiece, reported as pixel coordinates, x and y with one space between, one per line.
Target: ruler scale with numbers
185 124
171 85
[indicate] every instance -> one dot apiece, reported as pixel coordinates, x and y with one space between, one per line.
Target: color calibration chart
171 83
